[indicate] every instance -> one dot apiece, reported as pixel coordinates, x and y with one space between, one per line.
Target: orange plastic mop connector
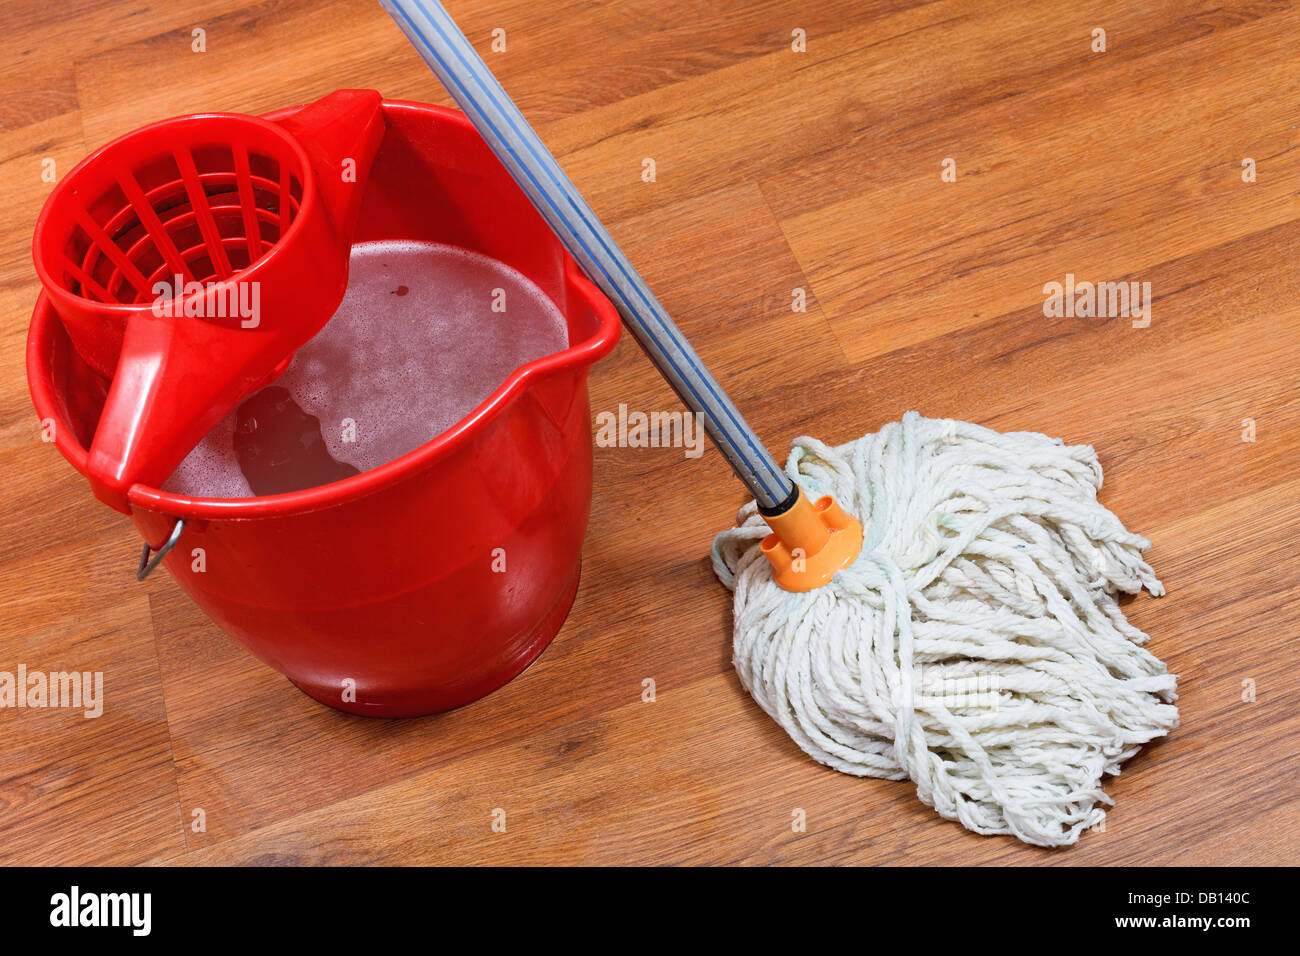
810 541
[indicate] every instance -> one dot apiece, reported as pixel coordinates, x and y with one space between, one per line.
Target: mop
976 645
934 602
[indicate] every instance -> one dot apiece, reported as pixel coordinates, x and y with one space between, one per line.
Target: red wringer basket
190 258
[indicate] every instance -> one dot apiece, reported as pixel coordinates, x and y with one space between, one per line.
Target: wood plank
776 171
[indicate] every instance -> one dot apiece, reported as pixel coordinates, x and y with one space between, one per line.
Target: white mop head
975 645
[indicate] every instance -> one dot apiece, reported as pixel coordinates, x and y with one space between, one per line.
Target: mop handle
471 84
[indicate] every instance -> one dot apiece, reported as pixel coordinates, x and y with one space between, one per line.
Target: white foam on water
415 346
211 469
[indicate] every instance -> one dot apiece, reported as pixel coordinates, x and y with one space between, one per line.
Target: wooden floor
776 170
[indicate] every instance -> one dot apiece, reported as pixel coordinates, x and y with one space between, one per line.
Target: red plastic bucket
436 578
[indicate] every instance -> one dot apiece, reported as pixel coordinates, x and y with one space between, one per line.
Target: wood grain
777 171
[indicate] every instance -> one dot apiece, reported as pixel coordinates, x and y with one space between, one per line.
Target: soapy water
415 345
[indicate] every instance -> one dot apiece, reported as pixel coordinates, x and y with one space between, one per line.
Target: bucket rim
580 355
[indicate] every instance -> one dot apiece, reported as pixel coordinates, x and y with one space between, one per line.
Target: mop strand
976 645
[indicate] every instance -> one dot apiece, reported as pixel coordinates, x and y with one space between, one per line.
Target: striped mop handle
439 41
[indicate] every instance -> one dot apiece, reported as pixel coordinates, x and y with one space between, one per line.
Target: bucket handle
147 564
